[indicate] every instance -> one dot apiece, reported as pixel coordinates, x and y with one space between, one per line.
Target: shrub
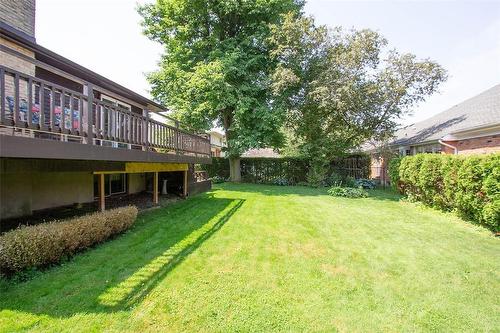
217 179
281 181
316 175
367 184
48 243
265 170
334 180
347 192
469 185
393 170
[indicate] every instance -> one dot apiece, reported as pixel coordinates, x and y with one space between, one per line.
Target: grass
267 258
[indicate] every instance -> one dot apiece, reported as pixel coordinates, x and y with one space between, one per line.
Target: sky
462 36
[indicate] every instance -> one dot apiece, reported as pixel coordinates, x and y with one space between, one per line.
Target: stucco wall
15 195
52 189
21 193
136 182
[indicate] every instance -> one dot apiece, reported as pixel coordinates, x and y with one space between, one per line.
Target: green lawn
266 258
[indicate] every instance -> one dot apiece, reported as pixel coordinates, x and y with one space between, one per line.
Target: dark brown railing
42 109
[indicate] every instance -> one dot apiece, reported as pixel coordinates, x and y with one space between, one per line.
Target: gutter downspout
455 149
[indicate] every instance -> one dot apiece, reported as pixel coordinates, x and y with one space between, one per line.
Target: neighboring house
217 143
471 127
262 152
70 136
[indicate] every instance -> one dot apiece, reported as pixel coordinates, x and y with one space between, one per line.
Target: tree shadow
117 275
383 194
272 190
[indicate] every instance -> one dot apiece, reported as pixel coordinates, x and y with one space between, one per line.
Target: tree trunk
235 169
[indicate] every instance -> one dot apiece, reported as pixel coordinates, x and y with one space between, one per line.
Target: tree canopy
216 66
341 88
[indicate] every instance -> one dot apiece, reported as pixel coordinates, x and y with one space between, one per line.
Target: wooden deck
39 117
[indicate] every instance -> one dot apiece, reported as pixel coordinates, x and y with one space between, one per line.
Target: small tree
216 66
337 90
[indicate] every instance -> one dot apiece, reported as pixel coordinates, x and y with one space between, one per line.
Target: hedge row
48 243
292 170
468 185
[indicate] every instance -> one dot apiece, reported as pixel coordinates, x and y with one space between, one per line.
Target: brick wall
483 145
19 14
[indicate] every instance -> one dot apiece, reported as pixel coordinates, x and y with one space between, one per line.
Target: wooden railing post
146 130
90 112
3 109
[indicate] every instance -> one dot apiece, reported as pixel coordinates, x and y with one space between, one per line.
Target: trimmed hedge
48 243
286 170
469 185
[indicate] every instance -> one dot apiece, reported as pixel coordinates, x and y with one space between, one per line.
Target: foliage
367 184
352 165
337 89
393 170
336 179
280 181
347 192
292 169
342 262
218 168
470 185
48 243
218 179
216 65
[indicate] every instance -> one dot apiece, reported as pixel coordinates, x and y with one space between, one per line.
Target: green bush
48 243
469 185
280 181
393 170
367 184
265 170
347 192
217 179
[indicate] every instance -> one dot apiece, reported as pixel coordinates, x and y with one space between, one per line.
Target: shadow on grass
118 275
272 190
383 194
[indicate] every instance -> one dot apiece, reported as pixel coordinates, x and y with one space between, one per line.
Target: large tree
343 88
216 66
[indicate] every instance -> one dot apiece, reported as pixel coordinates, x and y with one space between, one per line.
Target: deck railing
42 109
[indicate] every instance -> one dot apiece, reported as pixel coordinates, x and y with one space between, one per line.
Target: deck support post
155 188
185 186
102 193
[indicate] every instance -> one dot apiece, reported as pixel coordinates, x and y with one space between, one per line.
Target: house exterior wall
15 195
23 192
19 14
483 145
136 182
17 64
61 189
